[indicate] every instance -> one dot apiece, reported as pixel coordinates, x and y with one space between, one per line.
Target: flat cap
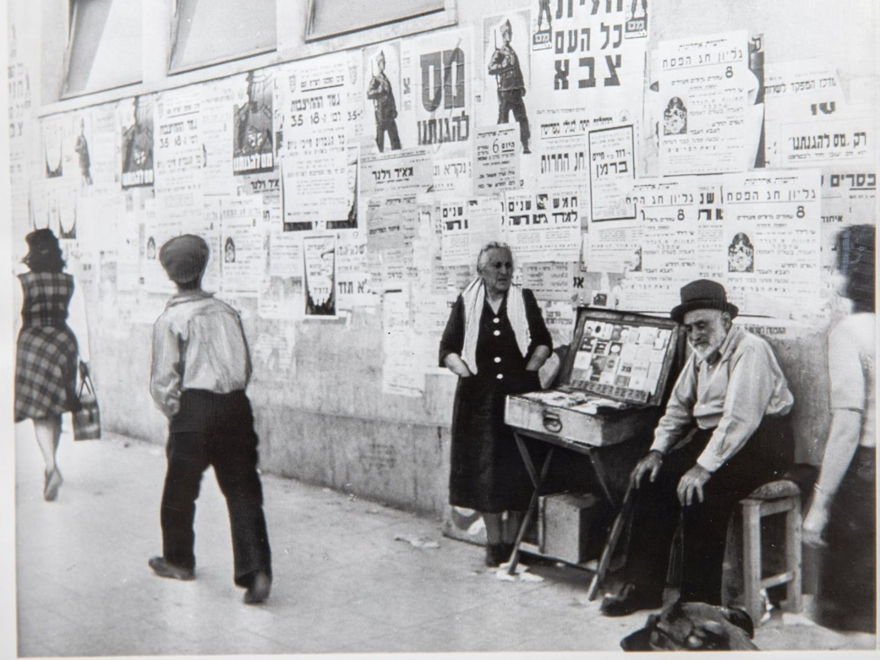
184 257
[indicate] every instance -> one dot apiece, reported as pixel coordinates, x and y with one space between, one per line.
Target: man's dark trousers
390 127
512 99
657 512
215 430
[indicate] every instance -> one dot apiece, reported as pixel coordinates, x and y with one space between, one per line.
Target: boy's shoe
164 568
258 592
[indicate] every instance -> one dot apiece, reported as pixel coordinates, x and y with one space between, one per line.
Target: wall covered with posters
621 147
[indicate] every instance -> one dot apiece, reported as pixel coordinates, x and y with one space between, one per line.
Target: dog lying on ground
693 627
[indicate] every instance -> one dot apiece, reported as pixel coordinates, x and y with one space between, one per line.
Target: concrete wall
323 417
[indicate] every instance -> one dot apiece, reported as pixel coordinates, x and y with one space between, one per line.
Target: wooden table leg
610 545
537 481
601 477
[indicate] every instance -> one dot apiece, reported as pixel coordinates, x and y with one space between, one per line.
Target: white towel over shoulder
473 296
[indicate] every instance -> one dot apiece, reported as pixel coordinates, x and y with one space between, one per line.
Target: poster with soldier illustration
252 143
506 74
136 125
381 94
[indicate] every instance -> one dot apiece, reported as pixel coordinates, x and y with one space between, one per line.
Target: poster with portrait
243 257
136 140
588 54
252 124
506 76
381 94
437 92
772 233
709 120
319 276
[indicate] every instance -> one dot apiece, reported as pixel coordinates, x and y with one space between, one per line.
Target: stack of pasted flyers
575 400
620 360
596 404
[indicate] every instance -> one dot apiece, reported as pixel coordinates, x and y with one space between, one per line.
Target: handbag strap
85 383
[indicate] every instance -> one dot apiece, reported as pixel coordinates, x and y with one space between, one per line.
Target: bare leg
48 433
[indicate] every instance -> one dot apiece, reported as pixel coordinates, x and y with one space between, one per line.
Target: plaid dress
46 351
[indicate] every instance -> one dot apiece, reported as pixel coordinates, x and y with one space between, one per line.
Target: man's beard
707 349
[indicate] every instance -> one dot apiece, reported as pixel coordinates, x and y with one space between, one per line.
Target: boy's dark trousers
767 454
217 430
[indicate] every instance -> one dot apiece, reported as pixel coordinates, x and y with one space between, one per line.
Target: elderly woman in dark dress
495 341
46 351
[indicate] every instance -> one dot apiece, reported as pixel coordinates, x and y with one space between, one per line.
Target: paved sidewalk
350 575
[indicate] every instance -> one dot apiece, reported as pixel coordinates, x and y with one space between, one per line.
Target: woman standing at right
841 517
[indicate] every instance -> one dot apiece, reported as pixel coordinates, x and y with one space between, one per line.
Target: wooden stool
775 497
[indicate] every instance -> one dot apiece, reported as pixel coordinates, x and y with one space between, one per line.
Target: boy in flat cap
724 433
201 367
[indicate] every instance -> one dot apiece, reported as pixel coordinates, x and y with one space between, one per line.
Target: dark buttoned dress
487 472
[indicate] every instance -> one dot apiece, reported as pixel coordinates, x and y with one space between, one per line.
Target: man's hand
650 465
815 523
690 486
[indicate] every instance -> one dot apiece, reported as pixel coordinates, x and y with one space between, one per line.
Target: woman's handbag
86 420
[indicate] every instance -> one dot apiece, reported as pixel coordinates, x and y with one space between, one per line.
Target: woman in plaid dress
46 351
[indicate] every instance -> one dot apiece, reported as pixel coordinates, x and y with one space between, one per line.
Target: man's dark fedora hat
702 294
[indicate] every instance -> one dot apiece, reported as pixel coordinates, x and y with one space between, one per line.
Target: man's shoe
258 592
164 568
628 601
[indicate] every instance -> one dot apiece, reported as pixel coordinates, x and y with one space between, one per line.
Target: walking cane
611 543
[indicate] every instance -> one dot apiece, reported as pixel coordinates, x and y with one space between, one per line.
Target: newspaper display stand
612 385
